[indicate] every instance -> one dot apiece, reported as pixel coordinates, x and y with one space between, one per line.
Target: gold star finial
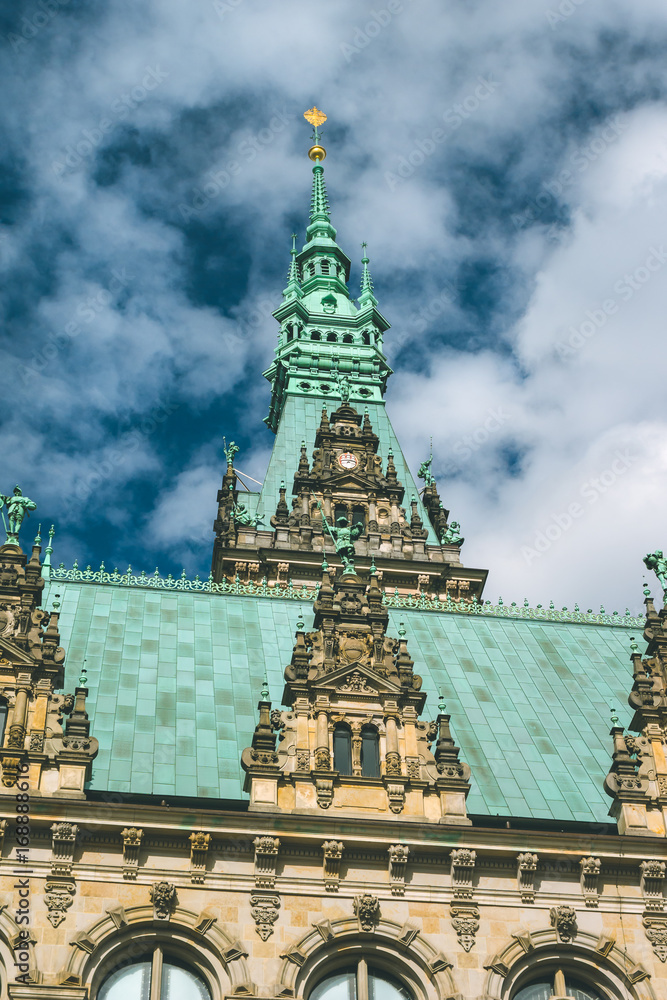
315 117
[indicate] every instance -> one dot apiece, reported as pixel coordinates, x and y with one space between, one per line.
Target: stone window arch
397 952
331 337
316 335
197 943
590 963
361 981
348 338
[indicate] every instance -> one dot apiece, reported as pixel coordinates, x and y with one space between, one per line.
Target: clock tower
336 454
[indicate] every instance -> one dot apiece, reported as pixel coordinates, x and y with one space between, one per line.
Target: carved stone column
132 838
526 868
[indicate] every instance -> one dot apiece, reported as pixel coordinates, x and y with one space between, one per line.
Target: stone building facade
333 769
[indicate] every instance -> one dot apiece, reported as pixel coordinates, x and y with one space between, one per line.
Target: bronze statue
17 508
343 538
657 562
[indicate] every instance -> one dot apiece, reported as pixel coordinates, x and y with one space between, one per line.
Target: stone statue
17 508
343 538
230 452
452 535
242 515
425 472
657 562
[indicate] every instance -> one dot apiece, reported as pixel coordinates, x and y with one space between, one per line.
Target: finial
264 693
300 622
614 717
401 629
83 679
441 702
647 589
366 296
316 118
373 566
38 536
633 645
56 603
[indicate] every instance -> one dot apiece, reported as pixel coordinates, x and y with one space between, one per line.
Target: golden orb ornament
317 153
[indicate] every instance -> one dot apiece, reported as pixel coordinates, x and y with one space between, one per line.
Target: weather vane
316 118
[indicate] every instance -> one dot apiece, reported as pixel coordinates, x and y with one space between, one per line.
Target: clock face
347 460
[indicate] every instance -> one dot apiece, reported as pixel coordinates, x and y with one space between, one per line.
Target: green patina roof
299 421
174 681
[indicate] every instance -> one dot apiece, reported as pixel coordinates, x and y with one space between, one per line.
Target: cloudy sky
507 164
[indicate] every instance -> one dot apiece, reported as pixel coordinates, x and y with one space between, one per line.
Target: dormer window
329 303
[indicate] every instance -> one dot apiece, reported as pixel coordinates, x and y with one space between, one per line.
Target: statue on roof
425 472
231 451
343 537
17 507
242 515
452 536
657 562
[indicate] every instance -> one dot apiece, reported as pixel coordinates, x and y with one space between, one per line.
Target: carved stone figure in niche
315 642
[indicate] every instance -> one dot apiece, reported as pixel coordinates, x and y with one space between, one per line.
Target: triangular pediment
366 682
10 651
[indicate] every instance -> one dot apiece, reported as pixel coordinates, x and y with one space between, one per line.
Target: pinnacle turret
366 298
293 289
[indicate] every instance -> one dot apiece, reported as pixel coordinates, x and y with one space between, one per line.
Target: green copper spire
293 290
320 223
366 298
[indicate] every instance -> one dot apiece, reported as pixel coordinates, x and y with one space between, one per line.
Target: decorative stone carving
303 760
63 837
357 683
266 859
526 868
322 760
324 791
652 881
465 921
163 898
564 919
392 763
264 908
367 911
58 898
590 880
333 852
132 837
655 928
199 845
463 864
398 859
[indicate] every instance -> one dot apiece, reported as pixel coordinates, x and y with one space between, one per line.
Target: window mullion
156 974
362 980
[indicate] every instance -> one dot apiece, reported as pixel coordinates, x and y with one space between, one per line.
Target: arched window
348 338
370 752
3 720
331 338
156 977
360 982
366 337
342 746
325 266
359 516
558 985
316 335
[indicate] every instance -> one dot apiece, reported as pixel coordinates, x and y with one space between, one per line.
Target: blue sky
507 165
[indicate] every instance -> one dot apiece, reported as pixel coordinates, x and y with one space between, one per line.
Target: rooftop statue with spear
343 538
17 508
